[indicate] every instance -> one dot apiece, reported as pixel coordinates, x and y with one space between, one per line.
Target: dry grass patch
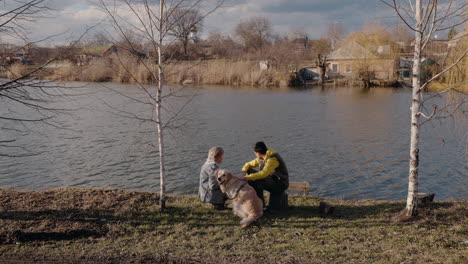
109 226
226 72
16 70
439 87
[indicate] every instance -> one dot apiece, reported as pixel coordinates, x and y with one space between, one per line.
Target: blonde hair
214 153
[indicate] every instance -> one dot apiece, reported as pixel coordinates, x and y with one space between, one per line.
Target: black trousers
270 184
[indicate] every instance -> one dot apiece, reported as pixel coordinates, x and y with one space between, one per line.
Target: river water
349 143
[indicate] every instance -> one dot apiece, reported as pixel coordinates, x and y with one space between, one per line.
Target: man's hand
244 173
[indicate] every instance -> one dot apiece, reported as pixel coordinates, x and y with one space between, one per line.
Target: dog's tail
250 219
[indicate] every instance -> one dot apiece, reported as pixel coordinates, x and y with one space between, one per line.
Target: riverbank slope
119 226
203 72
233 73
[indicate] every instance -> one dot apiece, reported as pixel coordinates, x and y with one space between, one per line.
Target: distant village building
95 51
436 50
11 54
103 51
344 61
32 54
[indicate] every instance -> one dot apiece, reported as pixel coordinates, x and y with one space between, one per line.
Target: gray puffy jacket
209 191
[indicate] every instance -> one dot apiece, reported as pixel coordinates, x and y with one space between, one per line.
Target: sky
70 18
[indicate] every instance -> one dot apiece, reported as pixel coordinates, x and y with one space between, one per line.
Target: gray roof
351 50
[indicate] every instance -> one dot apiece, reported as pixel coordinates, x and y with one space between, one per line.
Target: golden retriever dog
245 201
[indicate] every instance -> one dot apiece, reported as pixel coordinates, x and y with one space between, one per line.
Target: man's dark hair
260 147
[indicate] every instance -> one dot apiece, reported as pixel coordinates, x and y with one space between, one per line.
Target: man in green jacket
272 175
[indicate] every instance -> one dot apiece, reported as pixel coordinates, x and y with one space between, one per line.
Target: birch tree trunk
146 24
411 202
162 170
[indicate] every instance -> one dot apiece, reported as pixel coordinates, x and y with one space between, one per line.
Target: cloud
313 16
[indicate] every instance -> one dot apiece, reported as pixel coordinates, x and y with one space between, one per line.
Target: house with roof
351 57
89 53
104 51
10 54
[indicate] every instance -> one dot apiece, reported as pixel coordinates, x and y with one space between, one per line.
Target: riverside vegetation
203 72
119 226
129 70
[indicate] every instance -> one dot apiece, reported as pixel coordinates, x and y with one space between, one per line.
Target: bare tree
153 24
425 20
452 33
100 38
320 46
25 99
223 46
334 33
12 20
282 55
322 64
254 33
401 33
183 22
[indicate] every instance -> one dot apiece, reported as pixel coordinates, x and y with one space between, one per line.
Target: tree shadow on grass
54 225
65 214
71 224
354 215
22 237
344 212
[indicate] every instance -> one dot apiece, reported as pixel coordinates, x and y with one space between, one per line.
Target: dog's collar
237 192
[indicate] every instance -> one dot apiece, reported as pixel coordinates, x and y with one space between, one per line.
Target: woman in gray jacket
209 191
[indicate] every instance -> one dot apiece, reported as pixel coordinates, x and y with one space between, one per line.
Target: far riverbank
234 73
203 72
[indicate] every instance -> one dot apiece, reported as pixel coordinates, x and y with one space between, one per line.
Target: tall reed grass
128 69
61 71
16 70
226 72
97 71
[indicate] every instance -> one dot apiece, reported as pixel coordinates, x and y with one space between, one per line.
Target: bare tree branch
445 70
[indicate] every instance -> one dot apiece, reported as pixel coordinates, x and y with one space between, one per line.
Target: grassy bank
117 226
439 87
129 70
203 72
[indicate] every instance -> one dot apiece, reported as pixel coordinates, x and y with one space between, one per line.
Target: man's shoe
266 210
218 206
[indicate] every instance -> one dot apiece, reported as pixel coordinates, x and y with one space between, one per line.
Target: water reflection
347 142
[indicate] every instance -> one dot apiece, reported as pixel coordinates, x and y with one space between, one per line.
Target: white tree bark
153 27
411 202
425 20
162 170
